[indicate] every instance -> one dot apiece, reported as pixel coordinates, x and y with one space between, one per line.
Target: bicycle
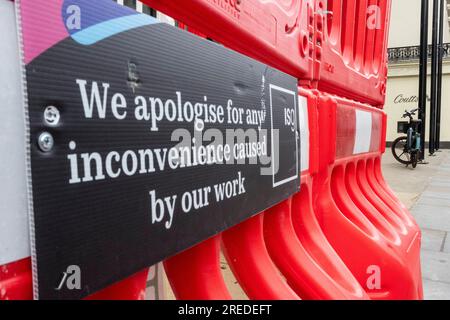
407 149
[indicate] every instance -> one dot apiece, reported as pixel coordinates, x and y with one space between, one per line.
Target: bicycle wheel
414 159
400 150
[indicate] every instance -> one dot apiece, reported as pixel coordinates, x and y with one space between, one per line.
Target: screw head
46 142
52 116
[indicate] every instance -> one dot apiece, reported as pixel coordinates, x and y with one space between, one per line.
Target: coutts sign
401 98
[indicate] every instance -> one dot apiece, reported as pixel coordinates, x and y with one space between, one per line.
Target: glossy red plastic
365 223
247 255
279 33
16 280
132 288
296 242
352 48
195 273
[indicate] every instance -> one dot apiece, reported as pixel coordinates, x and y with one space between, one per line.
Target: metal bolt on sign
46 142
52 116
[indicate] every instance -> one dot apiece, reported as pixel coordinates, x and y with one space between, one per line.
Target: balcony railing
412 53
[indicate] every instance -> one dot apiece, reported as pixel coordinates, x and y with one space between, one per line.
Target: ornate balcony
404 54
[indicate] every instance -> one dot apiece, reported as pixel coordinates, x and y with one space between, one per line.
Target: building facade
403 76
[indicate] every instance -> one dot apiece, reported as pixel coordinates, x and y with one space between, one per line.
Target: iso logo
71 278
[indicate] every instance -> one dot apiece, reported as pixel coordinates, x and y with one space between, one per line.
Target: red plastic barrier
195 273
310 265
341 45
279 33
16 281
295 240
325 239
132 288
352 48
191 30
247 255
364 222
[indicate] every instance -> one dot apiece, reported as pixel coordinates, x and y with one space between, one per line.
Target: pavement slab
435 290
433 217
433 240
447 244
432 212
435 266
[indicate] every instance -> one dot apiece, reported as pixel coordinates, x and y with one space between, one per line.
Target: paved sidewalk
426 191
432 211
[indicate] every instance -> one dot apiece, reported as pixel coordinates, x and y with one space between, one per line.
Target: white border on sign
34 269
280 183
14 231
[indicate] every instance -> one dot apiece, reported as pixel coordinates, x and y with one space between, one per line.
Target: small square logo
285 135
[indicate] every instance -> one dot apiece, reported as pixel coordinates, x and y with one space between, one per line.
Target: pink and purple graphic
86 22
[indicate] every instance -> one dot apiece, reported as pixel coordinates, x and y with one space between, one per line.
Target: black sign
146 142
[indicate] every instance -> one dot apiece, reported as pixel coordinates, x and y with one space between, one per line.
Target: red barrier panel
279 33
195 273
132 288
341 45
352 48
247 255
16 281
294 238
309 263
352 201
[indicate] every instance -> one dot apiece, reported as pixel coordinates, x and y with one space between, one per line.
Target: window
138 6
130 3
147 10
